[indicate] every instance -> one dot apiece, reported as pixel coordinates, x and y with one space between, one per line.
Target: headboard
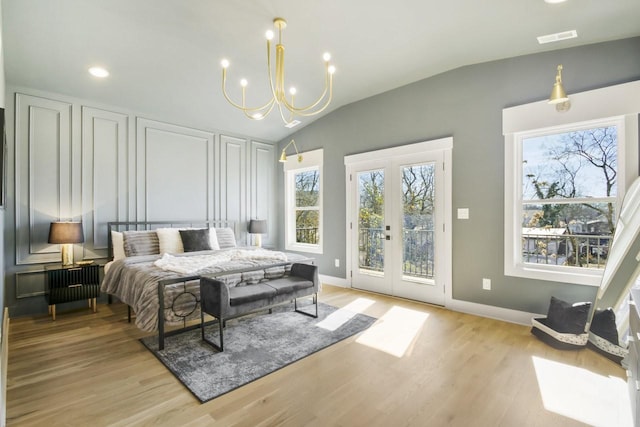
152 225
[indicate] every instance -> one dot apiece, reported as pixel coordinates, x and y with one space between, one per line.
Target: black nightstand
72 283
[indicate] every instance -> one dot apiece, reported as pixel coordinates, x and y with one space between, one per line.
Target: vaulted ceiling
164 55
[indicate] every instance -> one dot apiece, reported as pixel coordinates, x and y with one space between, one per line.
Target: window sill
314 249
571 275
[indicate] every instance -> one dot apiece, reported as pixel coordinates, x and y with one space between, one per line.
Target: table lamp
258 227
66 234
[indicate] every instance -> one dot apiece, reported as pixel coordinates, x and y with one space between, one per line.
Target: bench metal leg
315 301
221 322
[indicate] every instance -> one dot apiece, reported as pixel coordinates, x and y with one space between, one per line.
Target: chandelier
287 108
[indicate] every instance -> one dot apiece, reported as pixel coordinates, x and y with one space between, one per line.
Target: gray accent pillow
568 318
226 238
195 240
140 243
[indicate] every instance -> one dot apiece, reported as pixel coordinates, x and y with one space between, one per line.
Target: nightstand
72 283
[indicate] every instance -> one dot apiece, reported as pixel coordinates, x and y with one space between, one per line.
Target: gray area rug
254 346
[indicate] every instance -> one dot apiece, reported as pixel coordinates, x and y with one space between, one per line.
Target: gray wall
465 103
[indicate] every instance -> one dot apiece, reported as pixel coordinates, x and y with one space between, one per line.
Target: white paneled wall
104 175
175 172
75 161
43 175
263 181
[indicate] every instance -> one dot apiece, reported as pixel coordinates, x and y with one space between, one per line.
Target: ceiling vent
550 38
292 124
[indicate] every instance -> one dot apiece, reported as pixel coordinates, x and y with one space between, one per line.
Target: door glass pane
371 221
418 197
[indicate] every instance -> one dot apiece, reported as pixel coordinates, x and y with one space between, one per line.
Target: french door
398 215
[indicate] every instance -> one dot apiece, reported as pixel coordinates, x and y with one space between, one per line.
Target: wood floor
454 369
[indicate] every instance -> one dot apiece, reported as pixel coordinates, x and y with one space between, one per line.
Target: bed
155 268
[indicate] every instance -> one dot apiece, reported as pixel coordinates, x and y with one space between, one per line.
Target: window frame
591 109
311 160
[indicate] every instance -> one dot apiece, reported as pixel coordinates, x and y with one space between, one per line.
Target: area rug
254 346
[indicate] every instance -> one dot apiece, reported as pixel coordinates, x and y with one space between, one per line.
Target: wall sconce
283 155
66 234
258 227
558 96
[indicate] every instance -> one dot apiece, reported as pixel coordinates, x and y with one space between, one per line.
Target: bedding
134 280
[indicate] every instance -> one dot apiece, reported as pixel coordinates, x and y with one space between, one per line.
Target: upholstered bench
224 302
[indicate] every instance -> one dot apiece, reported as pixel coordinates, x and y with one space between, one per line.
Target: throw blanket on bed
196 263
134 281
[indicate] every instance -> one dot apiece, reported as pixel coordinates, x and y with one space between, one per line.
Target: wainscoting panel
175 167
43 175
264 167
233 182
30 284
104 176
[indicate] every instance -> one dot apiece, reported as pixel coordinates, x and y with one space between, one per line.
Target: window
563 187
303 196
568 200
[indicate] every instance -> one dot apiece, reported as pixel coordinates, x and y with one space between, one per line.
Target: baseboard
492 312
334 281
482 310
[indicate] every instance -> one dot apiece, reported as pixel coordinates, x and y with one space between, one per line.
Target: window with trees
303 195
569 195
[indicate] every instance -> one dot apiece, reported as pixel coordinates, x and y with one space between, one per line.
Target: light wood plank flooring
455 369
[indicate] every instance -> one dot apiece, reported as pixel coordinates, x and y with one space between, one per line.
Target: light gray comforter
134 281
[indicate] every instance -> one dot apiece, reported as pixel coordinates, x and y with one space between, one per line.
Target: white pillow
213 239
169 240
117 244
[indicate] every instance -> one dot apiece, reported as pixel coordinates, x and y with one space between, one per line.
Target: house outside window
565 178
303 199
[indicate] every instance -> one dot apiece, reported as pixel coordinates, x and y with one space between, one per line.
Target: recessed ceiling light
554 1
98 72
556 37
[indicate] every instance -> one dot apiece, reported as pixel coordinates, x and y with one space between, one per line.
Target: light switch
463 213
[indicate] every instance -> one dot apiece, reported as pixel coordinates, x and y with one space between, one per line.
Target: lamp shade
258 226
66 232
558 94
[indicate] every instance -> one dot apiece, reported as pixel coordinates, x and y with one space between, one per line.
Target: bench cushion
239 295
289 284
